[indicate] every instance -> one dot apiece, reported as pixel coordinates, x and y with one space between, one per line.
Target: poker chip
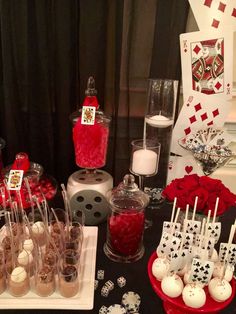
116 309
131 298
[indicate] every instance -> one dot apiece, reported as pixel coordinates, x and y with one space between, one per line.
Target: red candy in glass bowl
177 306
125 223
126 231
41 185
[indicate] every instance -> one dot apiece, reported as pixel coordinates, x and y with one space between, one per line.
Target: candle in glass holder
144 162
159 121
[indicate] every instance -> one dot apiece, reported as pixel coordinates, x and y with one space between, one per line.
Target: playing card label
15 179
231 257
88 115
201 271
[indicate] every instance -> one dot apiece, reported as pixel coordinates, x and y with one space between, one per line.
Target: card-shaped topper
231 257
201 271
214 14
207 63
15 179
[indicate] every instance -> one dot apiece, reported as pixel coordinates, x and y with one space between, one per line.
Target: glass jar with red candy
90 131
125 224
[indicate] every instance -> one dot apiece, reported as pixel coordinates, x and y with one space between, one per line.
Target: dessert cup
68 283
45 281
18 282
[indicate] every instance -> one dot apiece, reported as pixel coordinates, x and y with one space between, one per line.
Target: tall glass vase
158 125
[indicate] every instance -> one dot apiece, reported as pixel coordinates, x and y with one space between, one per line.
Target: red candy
126 231
90 142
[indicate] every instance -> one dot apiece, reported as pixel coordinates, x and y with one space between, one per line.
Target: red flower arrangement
207 189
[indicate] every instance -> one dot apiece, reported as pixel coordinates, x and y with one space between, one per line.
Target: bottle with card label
90 131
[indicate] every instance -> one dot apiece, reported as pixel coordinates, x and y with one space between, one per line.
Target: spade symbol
191 229
217 228
194 276
171 249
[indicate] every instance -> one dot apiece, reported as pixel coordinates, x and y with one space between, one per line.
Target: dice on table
110 285
100 274
103 310
121 281
105 291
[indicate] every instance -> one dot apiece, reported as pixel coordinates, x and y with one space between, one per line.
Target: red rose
210 184
202 198
189 182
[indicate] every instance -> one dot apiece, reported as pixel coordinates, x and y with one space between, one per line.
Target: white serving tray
82 301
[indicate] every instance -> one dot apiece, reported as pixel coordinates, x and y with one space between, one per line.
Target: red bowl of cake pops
177 305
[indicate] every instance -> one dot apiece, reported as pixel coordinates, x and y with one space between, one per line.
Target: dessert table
135 273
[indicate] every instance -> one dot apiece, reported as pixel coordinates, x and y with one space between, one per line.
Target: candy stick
67 208
202 231
30 197
20 201
215 210
45 207
57 220
8 225
176 217
173 210
186 212
195 208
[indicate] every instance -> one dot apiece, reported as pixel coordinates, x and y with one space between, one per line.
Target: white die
100 274
105 291
103 310
110 285
95 284
121 281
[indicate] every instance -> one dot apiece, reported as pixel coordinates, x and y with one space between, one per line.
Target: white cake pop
219 269
38 227
194 296
220 290
160 268
172 286
25 258
28 245
18 274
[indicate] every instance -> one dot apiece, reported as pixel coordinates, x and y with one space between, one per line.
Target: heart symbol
188 169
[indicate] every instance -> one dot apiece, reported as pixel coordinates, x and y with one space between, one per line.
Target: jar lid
127 195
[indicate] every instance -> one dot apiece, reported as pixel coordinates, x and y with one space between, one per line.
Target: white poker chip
131 298
116 309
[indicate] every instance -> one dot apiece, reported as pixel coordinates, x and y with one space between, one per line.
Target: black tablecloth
135 273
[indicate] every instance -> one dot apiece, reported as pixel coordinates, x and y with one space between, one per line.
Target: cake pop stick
215 210
20 201
195 208
173 210
175 221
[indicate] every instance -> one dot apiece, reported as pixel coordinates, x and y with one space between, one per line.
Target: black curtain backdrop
48 49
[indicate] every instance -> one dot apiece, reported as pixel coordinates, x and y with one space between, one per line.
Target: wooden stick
195 208
173 210
215 211
176 217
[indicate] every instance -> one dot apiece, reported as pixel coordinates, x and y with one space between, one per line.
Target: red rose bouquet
207 189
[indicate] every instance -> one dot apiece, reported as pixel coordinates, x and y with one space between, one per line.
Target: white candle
144 162
159 121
